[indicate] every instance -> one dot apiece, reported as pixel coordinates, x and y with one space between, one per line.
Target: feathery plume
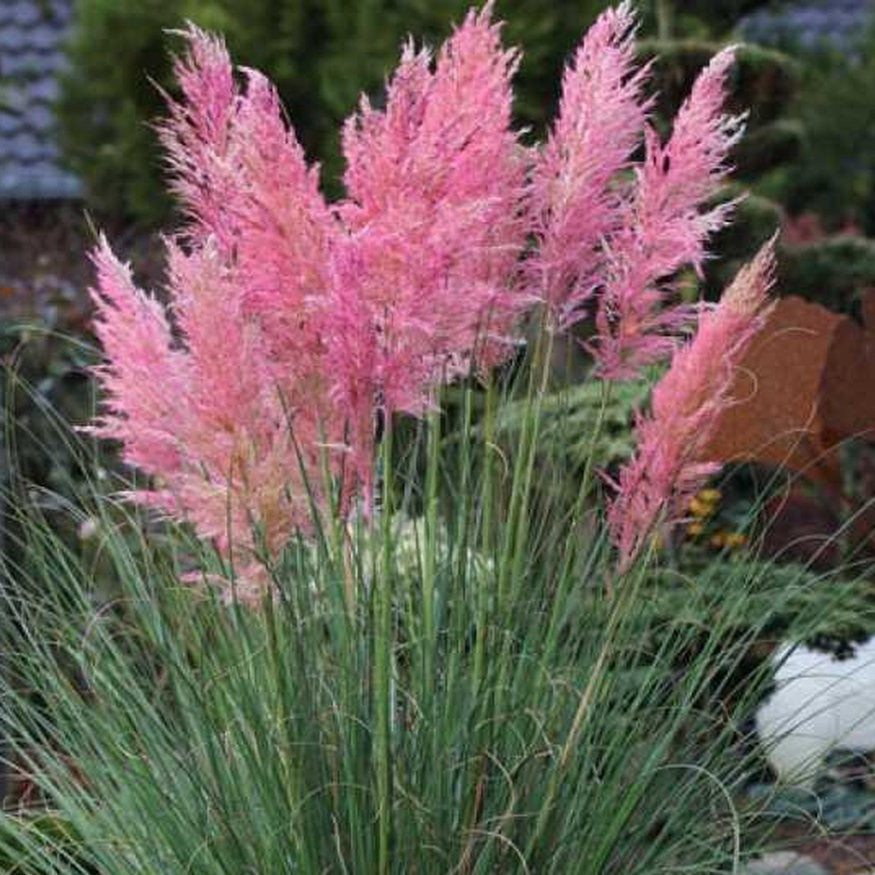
667 467
664 228
242 178
205 420
435 185
574 199
144 379
233 416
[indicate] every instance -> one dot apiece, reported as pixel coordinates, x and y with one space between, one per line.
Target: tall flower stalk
665 228
575 201
668 467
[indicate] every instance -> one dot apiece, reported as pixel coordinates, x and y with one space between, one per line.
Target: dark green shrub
763 80
835 176
774 144
831 272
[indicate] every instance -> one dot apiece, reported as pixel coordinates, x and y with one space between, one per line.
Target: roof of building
32 56
811 23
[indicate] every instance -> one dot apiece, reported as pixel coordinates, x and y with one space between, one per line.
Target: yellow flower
700 509
710 496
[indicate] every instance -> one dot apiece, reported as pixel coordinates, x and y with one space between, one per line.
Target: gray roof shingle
32 34
811 23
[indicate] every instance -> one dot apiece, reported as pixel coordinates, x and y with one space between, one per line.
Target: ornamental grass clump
393 643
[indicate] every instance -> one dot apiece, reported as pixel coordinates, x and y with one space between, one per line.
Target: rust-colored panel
778 415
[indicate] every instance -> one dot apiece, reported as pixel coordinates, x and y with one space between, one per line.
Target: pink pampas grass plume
665 228
435 185
230 411
242 179
144 379
575 203
667 468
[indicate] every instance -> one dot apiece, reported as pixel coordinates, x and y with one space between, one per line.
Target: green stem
455 592
570 550
523 466
338 534
431 546
604 401
542 372
483 592
382 661
514 553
